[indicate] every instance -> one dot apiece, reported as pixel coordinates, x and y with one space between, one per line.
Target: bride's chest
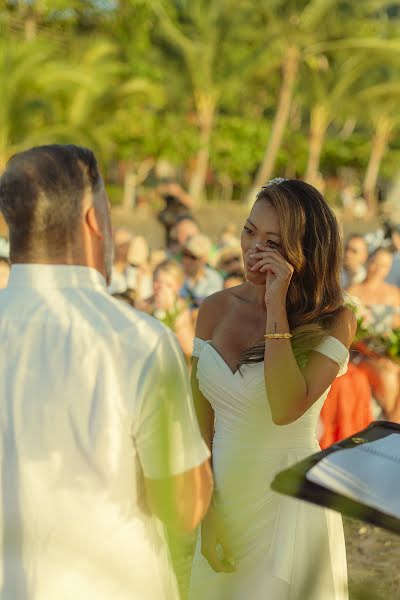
236 333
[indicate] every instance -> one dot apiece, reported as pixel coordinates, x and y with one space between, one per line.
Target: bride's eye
272 244
248 230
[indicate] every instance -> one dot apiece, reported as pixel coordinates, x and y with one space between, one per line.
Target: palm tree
332 88
292 30
52 95
302 32
25 106
206 35
381 112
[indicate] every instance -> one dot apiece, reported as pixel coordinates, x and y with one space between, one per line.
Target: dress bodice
239 399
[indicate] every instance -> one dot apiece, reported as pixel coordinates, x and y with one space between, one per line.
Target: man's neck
60 260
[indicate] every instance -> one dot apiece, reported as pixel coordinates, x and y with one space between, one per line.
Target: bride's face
261 227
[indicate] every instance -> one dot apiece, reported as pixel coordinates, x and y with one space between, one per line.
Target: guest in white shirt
99 438
131 271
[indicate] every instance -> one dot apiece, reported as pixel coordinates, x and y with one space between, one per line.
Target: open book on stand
359 476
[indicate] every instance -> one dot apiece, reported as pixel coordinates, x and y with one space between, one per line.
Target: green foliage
237 146
164 79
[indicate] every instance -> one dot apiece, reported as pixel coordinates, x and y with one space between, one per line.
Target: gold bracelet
278 336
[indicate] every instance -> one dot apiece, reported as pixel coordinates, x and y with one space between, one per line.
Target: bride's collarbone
239 326
234 334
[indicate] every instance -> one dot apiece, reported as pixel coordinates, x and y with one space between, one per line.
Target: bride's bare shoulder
211 311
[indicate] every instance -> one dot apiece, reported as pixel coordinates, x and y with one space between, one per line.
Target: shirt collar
55 276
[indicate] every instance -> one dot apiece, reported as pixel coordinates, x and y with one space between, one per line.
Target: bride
265 355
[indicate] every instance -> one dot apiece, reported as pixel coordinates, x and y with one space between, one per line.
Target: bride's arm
290 391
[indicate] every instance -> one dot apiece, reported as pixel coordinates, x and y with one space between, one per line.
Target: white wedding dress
284 549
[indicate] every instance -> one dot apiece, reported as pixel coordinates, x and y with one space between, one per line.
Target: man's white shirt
93 395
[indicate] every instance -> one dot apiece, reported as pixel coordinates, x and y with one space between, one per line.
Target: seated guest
354 259
141 273
381 300
99 437
177 204
228 235
130 271
184 228
122 277
200 279
166 304
229 258
347 408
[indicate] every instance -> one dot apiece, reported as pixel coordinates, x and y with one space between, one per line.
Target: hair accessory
276 181
278 336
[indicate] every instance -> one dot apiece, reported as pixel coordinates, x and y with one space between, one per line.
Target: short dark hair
41 194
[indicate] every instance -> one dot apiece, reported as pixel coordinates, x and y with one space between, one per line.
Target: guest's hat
199 245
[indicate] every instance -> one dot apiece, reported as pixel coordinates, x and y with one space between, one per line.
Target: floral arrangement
374 339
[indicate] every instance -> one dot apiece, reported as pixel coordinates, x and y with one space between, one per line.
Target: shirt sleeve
166 432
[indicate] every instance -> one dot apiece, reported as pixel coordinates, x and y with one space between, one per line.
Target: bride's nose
255 247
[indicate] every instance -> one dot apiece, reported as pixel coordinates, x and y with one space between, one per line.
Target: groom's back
95 402
72 493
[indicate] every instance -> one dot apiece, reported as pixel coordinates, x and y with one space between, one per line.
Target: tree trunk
128 200
30 27
318 127
205 104
289 76
379 145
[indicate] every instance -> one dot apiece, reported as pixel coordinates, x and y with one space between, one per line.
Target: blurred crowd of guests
370 389
171 282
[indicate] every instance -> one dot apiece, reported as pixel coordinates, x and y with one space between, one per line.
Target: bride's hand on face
279 272
214 537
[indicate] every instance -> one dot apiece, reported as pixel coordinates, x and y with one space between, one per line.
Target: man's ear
92 222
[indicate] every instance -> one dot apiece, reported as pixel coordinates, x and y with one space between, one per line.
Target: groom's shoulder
130 325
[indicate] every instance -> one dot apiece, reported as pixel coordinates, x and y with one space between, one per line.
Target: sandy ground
373 557
212 218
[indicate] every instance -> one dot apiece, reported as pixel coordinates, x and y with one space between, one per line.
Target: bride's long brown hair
311 243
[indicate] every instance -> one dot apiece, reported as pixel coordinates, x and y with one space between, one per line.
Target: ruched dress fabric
284 549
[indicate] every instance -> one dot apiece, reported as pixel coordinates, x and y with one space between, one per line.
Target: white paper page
368 473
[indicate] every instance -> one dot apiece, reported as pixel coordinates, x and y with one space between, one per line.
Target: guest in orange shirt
347 408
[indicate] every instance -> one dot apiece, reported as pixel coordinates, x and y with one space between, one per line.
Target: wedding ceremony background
219 96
